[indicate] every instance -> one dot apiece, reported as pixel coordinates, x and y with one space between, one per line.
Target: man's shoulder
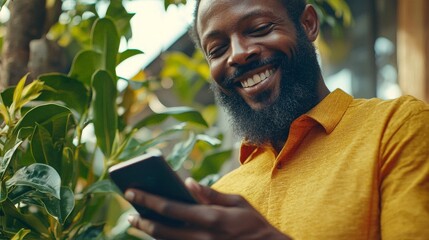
406 106
388 115
409 102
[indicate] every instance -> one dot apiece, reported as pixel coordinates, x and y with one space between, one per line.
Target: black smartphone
152 174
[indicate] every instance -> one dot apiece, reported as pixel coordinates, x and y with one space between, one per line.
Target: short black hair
294 9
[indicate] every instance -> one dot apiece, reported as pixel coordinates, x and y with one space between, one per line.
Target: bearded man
314 164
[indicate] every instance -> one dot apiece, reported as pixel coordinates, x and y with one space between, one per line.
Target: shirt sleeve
404 180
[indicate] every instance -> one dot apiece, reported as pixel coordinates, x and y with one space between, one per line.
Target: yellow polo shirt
350 169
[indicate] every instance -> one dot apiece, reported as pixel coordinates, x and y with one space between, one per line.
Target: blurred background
370 48
129 80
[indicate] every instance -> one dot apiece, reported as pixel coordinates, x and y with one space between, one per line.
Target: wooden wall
413 47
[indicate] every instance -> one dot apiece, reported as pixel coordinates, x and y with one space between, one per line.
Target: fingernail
131 219
192 183
129 195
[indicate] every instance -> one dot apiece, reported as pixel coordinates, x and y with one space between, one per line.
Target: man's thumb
206 195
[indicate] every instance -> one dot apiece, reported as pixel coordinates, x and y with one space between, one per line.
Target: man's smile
260 84
257 78
264 67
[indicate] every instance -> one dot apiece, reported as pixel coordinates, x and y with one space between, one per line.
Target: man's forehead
209 11
208 8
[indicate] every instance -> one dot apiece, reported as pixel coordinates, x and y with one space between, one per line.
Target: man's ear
310 22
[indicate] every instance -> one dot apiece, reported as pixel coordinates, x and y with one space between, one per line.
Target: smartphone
152 174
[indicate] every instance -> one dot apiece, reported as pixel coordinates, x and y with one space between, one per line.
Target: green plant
189 77
53 181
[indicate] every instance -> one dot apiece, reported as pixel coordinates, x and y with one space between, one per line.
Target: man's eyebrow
255 13
211 34
249 15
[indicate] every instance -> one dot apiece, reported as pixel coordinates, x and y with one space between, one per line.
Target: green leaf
184 114
84 65
21 234
39 176
60 208
69 167
341 9
91 232
104 186
65 89
3 191
127 54
31 91
4 112
41 114
17 94
41 144
7 96
29 220
181 152
42 148
189 74
59 128
94 210
208 139
211 164
135 148
2 2
24 94
105 114
175 2
5 160
121 18
20 193
105 40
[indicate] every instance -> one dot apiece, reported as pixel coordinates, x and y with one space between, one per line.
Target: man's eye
216 51
261 29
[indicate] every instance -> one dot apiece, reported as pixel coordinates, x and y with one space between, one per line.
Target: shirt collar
327 113
331 109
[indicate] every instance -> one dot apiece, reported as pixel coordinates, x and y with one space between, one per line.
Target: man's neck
322 92
278 145
322 89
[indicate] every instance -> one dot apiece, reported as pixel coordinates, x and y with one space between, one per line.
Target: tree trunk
26 23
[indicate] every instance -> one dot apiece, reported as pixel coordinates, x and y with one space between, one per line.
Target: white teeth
250 82
257 78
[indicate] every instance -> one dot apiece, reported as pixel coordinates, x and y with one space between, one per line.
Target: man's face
265 69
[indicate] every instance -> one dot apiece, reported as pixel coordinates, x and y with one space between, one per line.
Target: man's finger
207 195
161 231
194 214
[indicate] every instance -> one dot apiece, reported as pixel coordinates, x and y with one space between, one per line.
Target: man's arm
405 180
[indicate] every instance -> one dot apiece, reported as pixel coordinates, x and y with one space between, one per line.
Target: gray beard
298 94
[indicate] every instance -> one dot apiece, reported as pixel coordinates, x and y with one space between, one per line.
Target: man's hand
219 216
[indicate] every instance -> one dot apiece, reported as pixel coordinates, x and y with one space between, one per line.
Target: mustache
276 60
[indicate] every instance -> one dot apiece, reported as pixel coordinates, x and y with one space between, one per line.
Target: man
314 164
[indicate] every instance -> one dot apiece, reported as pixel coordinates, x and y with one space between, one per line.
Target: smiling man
265 68
314 164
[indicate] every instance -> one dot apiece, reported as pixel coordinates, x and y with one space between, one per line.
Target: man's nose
242 51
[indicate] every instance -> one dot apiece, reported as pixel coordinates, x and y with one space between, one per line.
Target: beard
298 94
